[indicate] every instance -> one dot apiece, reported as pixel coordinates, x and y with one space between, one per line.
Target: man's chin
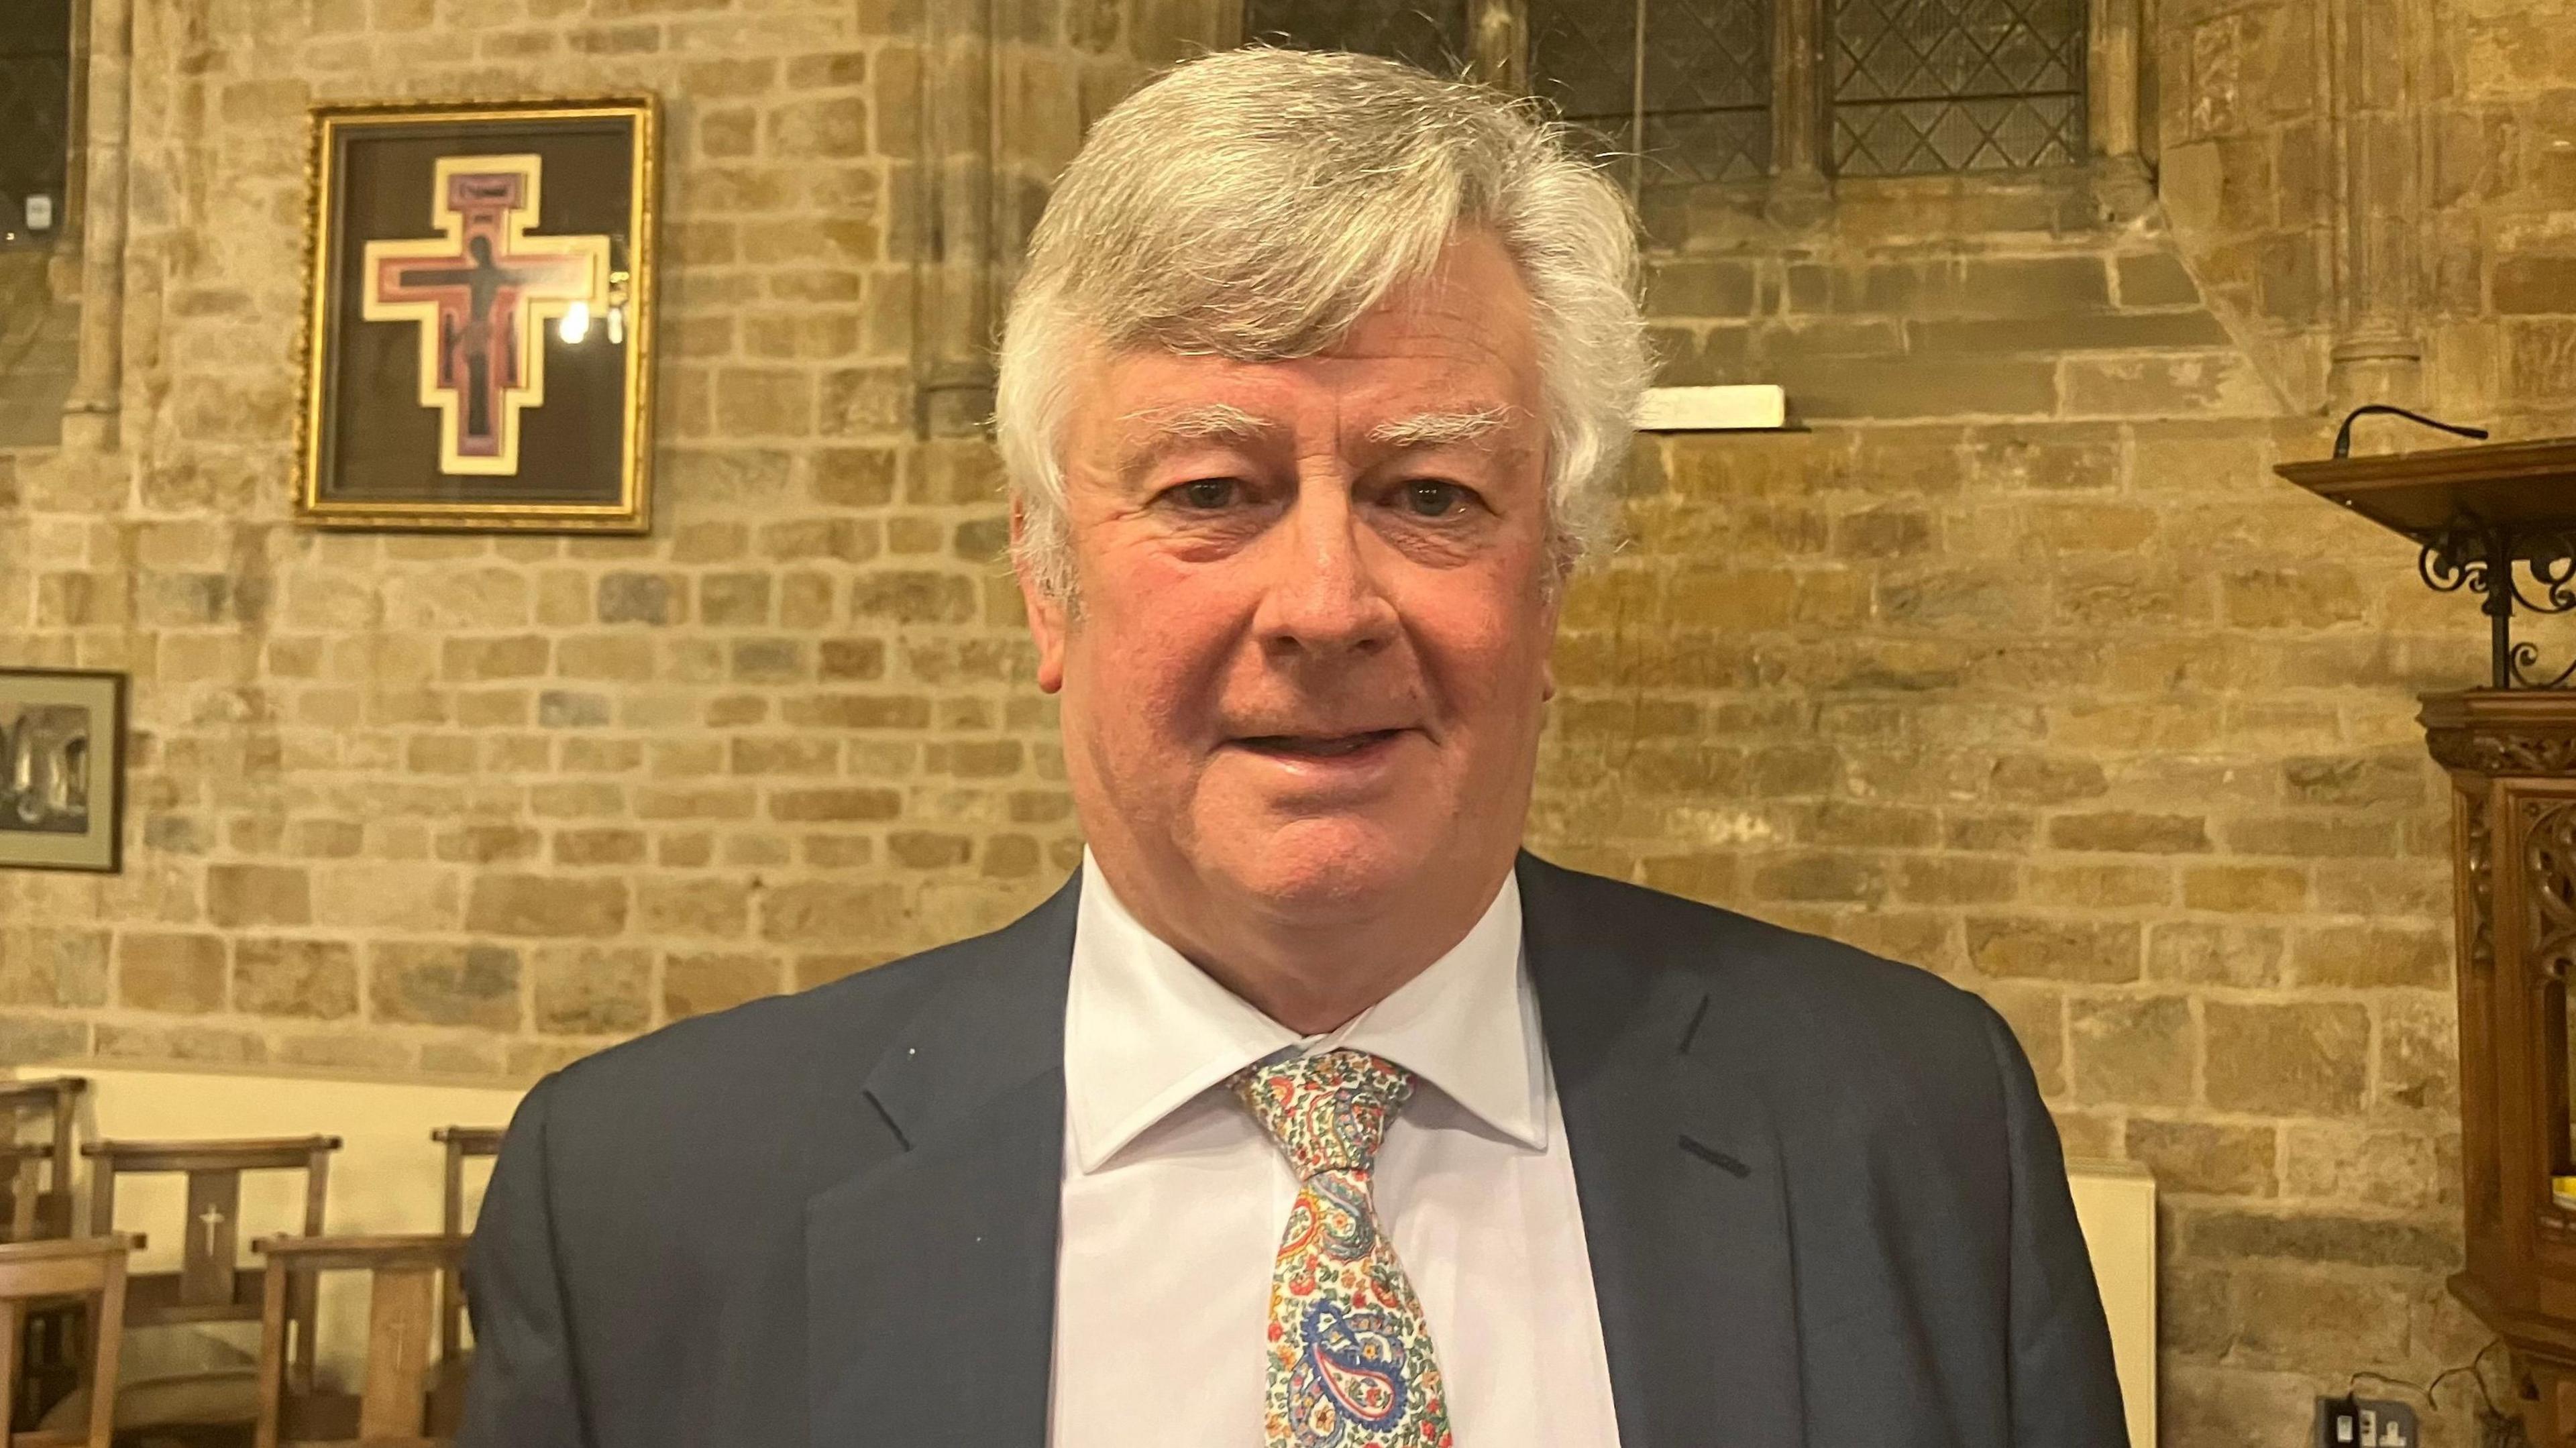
1319 870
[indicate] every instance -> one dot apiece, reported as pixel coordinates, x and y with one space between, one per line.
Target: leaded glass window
1955 85
1683 85
35 117
1432 36
1681 92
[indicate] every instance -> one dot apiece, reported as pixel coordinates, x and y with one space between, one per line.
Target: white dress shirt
1175 1198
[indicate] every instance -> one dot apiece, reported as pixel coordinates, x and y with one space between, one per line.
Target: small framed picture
478 334
62 769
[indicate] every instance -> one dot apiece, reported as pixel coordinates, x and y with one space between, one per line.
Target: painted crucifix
481 294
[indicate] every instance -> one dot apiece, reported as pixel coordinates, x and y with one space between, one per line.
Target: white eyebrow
1438 429
1169 428
1214 419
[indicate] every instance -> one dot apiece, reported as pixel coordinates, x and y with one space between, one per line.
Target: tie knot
1328 1112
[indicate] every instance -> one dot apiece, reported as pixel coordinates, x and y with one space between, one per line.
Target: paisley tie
1350 1356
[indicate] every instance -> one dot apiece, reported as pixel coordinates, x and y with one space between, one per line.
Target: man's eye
1428 499
1206 493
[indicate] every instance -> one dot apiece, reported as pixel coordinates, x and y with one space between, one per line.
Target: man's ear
1046 613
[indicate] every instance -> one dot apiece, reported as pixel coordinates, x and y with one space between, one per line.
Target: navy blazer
1823 1200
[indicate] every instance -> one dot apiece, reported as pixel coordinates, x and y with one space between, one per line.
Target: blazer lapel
930 1272
1684 1198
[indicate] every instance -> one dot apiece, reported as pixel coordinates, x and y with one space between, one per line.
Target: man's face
1307 666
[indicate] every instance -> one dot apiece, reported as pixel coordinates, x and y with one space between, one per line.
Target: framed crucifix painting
478 335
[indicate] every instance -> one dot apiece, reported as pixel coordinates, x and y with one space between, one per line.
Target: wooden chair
36 1205
211 1284
47 1365
397 1405
38 1193
93 1270
462 1142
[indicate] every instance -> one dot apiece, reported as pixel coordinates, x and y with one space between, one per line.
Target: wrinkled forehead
1450 360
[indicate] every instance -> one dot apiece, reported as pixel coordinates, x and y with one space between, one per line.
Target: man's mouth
1315 746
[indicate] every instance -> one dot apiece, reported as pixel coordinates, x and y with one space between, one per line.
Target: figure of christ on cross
481 295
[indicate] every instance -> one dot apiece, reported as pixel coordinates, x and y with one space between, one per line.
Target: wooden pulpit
2499 523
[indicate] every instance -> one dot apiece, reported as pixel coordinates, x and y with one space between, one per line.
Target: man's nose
1324 594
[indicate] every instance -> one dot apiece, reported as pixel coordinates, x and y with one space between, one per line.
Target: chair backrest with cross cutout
462 1143
396 1405
211 1285
36 1197
37 1273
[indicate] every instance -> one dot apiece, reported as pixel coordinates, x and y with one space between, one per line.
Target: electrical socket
2364 1423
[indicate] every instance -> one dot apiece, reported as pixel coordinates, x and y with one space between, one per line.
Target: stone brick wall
477 805
39 331
2018 664
2499 277
2021 666
2091 718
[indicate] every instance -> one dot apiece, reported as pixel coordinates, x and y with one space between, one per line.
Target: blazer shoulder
763 1056
1738 950
1797 1001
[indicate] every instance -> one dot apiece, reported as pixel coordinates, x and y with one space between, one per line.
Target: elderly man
1311 1111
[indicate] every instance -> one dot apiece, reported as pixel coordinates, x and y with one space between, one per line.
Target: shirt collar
1147 1031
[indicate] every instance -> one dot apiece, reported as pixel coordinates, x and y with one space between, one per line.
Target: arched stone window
1682 85
42 88
1435 36
1690 92
1955 85
35 122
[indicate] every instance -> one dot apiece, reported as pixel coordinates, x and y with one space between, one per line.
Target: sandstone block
46 966
444 985
2049 948
636 598
734 599
2185 951
252 895
929 849
546 905
717 908
2254 889
586 991
2399 1170
2129 831
2194 1156
2306 1059
2351 1241
276 977
698 984
851 916
2134 1051
2372 955
177 973
2536 283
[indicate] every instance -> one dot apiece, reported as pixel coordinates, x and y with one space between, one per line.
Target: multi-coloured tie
1350 1355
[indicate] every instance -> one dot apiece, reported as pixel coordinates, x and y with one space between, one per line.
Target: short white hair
1256 203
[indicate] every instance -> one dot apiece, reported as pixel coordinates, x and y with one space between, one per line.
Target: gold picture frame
478 322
